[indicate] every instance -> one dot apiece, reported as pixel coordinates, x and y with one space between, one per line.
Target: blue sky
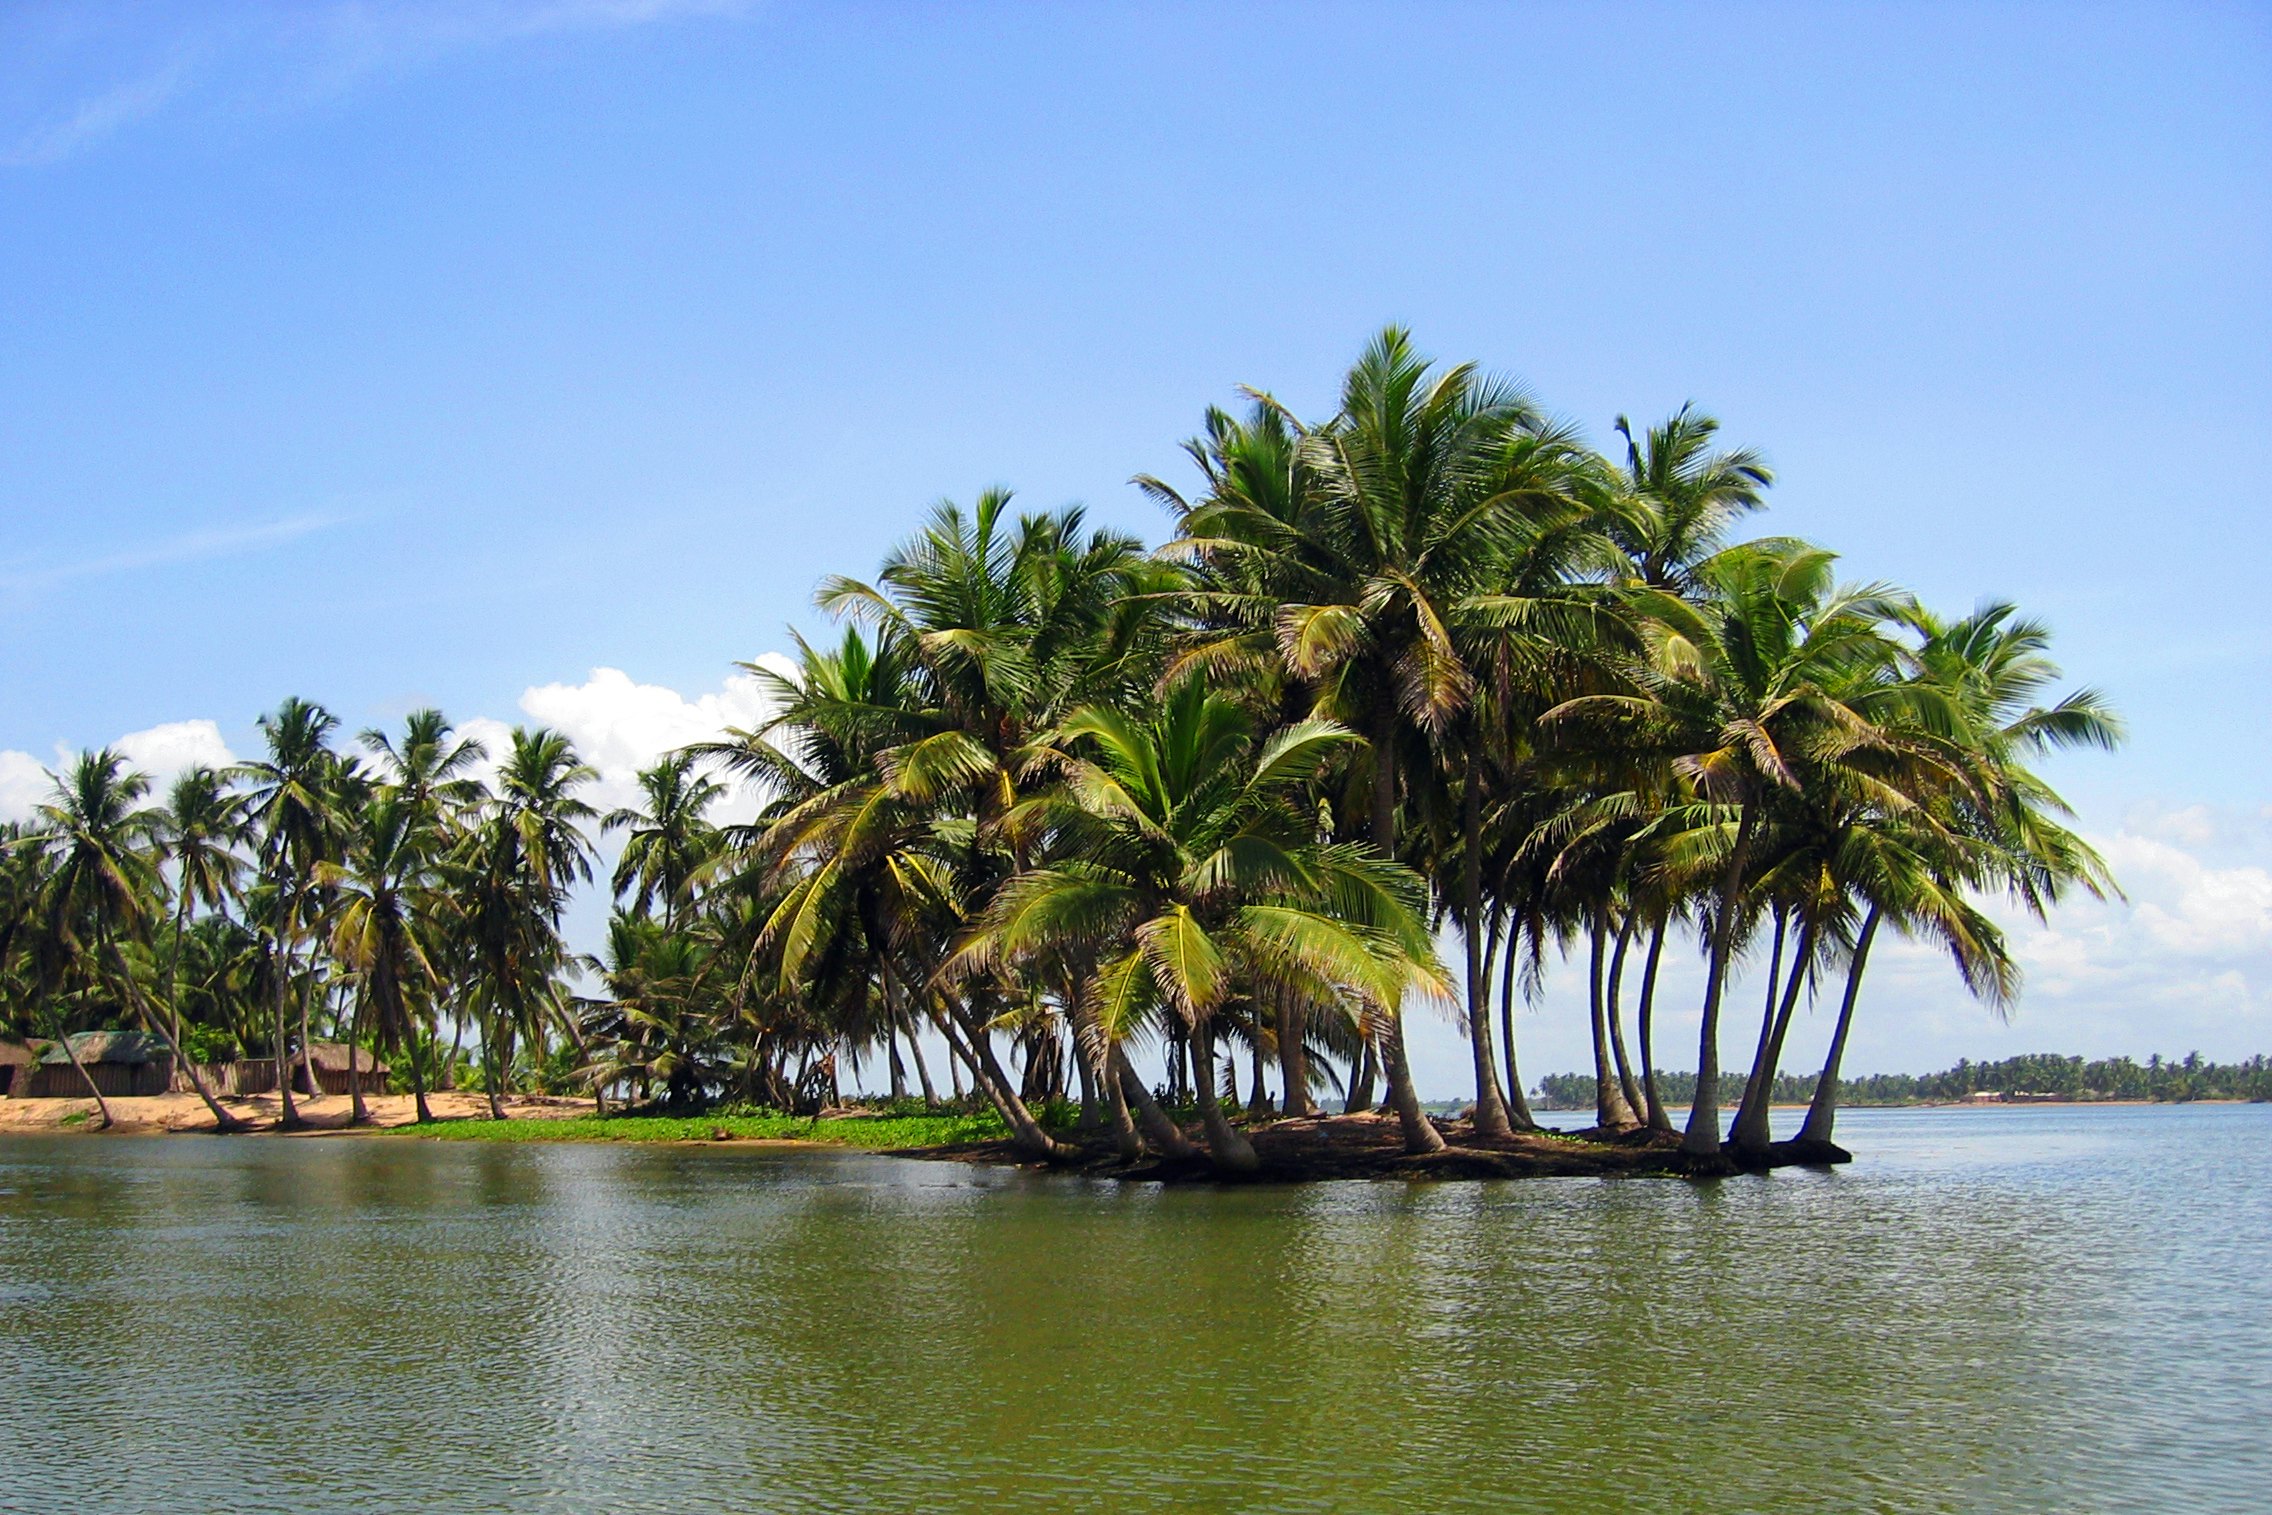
394 354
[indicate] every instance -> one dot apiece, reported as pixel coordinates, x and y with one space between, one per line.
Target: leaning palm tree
1982 680
1182 871
101 891
1750 695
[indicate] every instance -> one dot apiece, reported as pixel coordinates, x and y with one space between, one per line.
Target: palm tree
382 905
1984 678
1407 520
1182 871
102 887
511 879
198 830
291 802
1751 695
670 843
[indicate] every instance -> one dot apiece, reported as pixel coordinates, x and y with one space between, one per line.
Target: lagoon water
2017 1310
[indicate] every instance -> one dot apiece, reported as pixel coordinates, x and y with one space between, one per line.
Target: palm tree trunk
1659 1119
986 1072
102 1106
287 907
1701 1141
418 1076
1293 1056
307 1038
1420 1134
1360 1094
1227 1146
922 1069
1822 1114
898 1068
1752 1133
173 979
1490 1108
1611 1112
1158 1129
1613 996
1518 1103
357 1114
1258 1106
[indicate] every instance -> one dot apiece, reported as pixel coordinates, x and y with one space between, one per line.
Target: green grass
871 1132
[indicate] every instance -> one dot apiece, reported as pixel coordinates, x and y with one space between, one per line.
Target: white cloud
23 785
164 751
159 752
620 726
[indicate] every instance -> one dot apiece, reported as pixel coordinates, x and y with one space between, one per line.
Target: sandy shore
168 1114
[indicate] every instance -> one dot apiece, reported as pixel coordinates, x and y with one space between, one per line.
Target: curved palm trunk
1227 1146
1490 1108
1752 1134
102 1106
1611 1112
1822 1114
1614 996
223 1121
1163 1133
1701 1141
922 1069
977 1053
1420 1134
1518 1103
1659 1120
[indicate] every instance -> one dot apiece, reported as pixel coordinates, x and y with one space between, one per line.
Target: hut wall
115 1080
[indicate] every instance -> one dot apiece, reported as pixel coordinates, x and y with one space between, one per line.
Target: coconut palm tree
382 906
510 879
1180 868
101 890
669 842
198 831
1751 695
291 804
1405 518
1983 680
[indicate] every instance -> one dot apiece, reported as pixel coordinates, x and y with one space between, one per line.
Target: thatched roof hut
122 1063
330 1060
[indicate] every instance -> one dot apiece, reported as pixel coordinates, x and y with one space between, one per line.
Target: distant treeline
2041 1075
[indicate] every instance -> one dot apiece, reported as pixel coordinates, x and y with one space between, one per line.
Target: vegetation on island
2032 1076
1428 668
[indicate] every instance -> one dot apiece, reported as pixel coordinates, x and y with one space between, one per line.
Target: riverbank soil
164 1114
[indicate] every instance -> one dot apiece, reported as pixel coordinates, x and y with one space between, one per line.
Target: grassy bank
869 1132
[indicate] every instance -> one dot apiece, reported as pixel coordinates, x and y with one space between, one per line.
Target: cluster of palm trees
382 893
1431 668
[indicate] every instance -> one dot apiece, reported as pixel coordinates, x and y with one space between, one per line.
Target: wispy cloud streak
279 56
190 547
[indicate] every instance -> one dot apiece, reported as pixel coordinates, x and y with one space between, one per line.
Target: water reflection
1994 1310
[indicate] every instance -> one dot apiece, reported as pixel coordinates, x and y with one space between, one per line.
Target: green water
2023 1310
